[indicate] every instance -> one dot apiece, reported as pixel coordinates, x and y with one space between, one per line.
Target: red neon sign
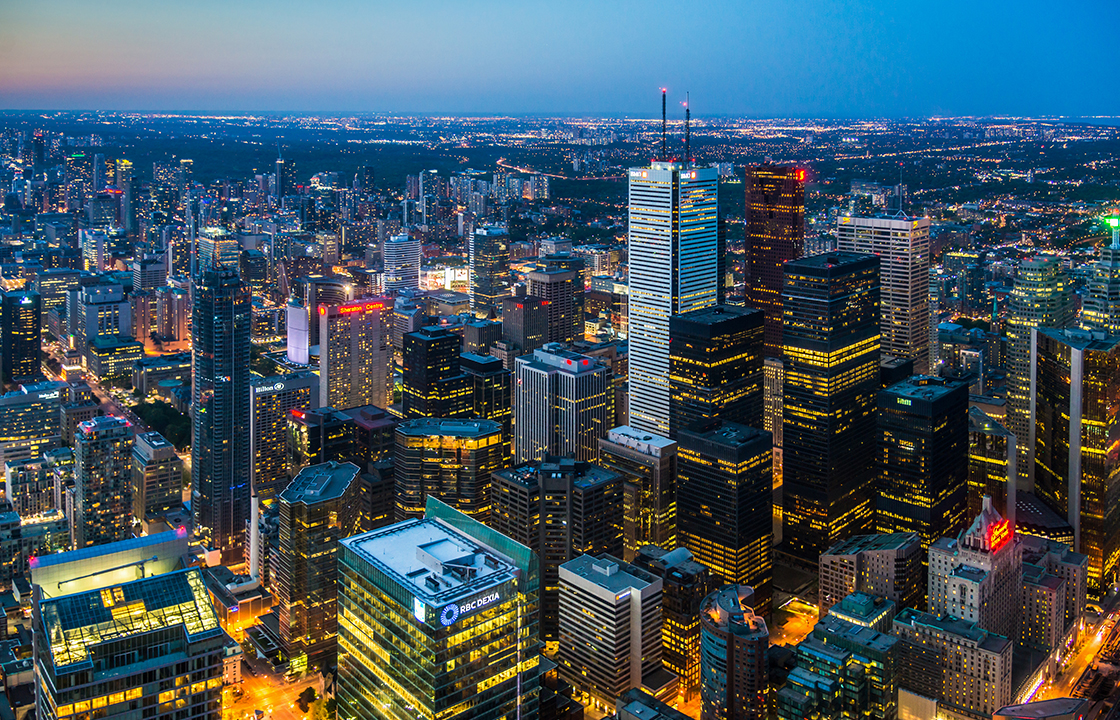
360 307
800 176
998 535
322 309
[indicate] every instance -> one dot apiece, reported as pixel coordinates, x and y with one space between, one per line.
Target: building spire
664 155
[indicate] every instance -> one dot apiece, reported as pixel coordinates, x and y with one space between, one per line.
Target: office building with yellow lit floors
434 383
724 495
733 643
992 465
451 460
922 484
648 464
831 362
151 646
20 335
437 618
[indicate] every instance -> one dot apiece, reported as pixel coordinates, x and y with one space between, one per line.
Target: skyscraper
1075 378
489 269
560 509
649 465
220 461
450 460
563 404
1042 297
774 233
102 481
354 349
556 287
273 400
467 599
1101 306
673 270
992 465
317 510
831 359
923 458
400 255
434 383
491 395
902 244
524 323
715 367
20 332
724 516
734 672
157 476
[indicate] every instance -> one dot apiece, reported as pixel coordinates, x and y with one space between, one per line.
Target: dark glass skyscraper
434 384
524 323
774 233
724 503
220 459
20 329
923 458
831 358
715 367
489 266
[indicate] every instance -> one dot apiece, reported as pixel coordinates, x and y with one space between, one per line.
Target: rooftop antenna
687 136
663 153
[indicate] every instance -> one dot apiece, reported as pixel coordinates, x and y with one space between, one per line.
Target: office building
159 635
30 420
434 383
1058 563
102 481
466 598
889 566
317 510
866 611
273 399
610 629
524 323
491 394
451 460
1074 376
97 310
715 367
923 458
965 668
560 509
557 288
220 460
774 232
157 476
902 245
735 677
992 465
774 378
400 256
20 333
24 540
478 336
831 362
649 465
1100 309
562 405
978 576
674 269
96 250
724 486
1043 298
218 249
685 585
354 349
110 358
488 251
318 436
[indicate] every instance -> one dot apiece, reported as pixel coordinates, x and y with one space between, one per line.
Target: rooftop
448 427
865 543
608 572
319 483
640 440
952 626
980 422
584 474
924 387
1041 709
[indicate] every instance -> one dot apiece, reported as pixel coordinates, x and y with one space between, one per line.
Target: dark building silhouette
434 383
20 331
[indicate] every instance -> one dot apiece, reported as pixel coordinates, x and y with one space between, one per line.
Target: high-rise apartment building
734 672
831 360
20 335
102 481
354 350
489 268
992 465
557 287
434 383
1042 297
674 269
774 232
563 403
450 460
220 460
273 400
464 595
160 635
649 465
610 628
724 491
400 255
890 566
715 367
978 576
560 509
1074 377
157 476
923 458
902 244
317 510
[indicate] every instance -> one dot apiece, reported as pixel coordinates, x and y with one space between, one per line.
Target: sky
756 58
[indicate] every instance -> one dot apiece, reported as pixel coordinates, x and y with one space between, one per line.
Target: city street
271 695
1100 633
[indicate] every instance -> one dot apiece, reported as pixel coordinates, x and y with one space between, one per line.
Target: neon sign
452 612
998 535
362 307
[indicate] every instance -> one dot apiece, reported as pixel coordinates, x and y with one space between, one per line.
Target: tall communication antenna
687 134
664 154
